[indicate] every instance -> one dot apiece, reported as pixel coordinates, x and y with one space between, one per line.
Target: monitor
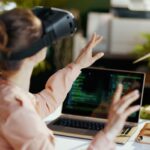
92 92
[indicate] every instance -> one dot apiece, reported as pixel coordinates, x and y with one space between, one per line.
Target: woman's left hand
85 58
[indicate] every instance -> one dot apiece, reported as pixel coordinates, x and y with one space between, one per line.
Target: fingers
98 39
97 56
90 42
93 42
129 99
125 102
118 93
131 110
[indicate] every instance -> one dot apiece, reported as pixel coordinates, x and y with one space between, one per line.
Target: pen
142 58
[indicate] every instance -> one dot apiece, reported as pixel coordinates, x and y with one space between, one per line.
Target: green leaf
146 36
41 67
144 114
25 3
143 49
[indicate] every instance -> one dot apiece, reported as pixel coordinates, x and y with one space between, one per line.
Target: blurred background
124 24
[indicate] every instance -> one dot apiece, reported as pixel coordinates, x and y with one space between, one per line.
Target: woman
21 112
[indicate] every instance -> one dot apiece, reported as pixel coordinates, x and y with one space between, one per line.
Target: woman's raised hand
119 111
85 58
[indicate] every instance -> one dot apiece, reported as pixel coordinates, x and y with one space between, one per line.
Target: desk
68 143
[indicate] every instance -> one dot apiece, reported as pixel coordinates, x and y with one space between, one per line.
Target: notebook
144 135
86 107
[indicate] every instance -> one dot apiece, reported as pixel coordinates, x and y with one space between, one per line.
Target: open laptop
86 107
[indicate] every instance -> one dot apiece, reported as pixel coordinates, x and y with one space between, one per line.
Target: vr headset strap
36 46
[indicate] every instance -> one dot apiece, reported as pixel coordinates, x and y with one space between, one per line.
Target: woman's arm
59 84
56 89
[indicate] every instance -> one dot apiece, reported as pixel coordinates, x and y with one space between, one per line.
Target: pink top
21 113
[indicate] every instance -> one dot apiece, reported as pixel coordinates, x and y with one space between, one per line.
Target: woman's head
18 29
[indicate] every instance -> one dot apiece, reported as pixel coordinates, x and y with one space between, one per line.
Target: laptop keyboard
86 125
79 124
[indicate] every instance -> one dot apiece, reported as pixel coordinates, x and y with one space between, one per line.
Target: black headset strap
36 46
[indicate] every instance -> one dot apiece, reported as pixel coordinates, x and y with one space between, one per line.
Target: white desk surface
68 143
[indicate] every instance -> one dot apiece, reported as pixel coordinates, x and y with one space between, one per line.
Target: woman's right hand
119 111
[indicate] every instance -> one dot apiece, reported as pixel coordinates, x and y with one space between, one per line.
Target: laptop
86 107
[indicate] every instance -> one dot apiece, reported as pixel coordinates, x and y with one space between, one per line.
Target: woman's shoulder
13 98
8 91
12 94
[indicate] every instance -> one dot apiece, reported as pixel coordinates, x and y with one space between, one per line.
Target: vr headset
57 24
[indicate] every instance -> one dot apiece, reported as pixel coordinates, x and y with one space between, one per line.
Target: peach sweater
21 113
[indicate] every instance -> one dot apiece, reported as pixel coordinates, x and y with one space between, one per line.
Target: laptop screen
92 92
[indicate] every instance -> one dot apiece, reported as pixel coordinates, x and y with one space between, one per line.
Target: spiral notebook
144 135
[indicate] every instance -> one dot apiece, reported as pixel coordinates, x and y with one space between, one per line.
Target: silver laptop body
86 107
